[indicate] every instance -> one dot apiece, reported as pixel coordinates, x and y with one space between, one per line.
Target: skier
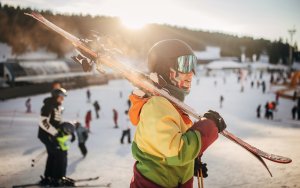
272 107
97 108
221 101
115 117
263 84
267 110
128 103
126 128
28 105
294 111
82 136
88 95
166 141
258 111
88 119
277 98
48 133
65 131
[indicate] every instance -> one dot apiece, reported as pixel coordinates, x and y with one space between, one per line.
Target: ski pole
38 158
200 175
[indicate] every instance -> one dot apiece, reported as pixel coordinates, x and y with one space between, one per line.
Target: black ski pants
82 148
57 160
126 133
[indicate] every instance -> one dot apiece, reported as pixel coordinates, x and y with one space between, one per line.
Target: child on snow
82 136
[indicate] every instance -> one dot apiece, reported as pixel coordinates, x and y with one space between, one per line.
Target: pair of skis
75 181
104 57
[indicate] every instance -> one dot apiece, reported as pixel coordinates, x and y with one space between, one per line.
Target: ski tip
283 160
27 14
35 15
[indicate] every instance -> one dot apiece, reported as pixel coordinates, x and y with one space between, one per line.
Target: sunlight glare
133 23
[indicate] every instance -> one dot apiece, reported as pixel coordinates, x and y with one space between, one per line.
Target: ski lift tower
291 32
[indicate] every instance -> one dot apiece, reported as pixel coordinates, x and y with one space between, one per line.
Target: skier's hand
198 165
216 117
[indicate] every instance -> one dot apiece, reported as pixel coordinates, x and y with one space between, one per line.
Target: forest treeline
23 34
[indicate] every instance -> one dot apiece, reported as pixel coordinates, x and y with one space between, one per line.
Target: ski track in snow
229 165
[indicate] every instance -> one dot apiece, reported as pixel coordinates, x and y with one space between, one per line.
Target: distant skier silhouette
115 118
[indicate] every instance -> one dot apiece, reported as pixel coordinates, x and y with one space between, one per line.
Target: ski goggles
186 63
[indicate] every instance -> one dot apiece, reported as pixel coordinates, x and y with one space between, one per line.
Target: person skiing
115 118
65 133
267 114
82 136
88 95
126 128
97 108
166 142
258 109
263 84
28 105
88 119
271 108
294 111
48 133
221 101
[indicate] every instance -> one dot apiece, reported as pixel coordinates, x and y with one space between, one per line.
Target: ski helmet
67 127
58 92
171 57
171 53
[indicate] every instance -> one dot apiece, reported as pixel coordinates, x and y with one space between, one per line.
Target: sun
133 23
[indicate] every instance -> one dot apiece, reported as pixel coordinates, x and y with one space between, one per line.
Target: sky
268 19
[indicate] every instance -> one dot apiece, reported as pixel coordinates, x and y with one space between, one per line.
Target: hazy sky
270 19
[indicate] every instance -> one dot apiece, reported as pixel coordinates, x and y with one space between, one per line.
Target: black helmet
164 55
169 57
58 92
67 127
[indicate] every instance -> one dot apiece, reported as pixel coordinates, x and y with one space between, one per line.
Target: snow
228 164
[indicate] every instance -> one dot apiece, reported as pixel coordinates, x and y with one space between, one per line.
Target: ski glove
198 165
73 138
215 117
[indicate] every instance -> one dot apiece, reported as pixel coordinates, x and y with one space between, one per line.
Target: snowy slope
228 164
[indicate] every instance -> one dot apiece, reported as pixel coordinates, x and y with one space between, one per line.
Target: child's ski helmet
67 127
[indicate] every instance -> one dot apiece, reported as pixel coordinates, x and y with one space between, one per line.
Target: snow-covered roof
225 64
260 65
